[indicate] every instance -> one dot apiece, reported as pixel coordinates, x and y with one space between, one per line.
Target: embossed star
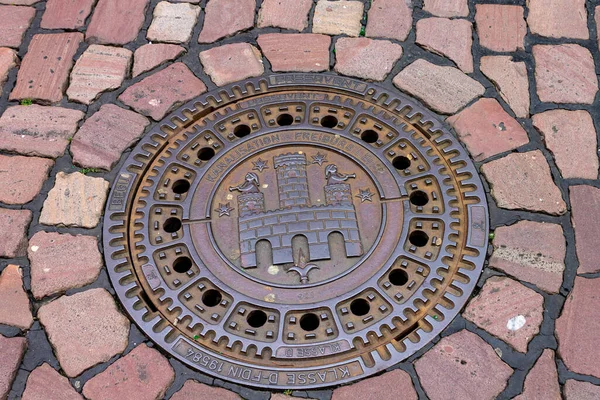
364 195
319 159
260 164
224 209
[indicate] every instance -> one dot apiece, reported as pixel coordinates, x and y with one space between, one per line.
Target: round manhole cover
296 231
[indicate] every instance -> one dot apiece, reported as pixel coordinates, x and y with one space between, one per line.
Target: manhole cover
296 231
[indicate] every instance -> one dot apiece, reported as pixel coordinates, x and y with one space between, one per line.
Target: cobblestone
105 135
500 27
14 303
447 8
508 310
366 58
510 78
161 92
224 18
338 17
173 23
150 56
531 251
578 348
99 69
45 68
286 14
8 60
462 357
390 19
542 380
66 14
444 89
142 374
62 261
15 21
571 137
38 131
116 22
558 19
585 211
486 129
577 390
46 383
12 350
191 389
22 178
510 179
231 63
451 38
388 386
302 52
75 200
13 232
84 329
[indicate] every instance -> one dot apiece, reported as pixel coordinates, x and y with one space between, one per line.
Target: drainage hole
285 119
182 264
419 198
206 153
418 238
211 297
360 307
256 318
369 136
309 322
172 224
398 277
401 163
181 186
241 130
329 121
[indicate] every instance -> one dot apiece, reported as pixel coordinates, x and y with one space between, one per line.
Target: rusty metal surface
296 231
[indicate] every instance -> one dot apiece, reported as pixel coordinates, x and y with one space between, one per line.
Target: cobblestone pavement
516 80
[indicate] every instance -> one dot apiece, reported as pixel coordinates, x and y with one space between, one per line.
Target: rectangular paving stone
13 232
451 38
585 207
116 21
366 58
225 17
152 55
14 302
286 14
390 19
302 52
45 383
338 17
447 8
231 63
14 22
172 23
66 14
38 130
501 27
558 18
22 178
511 81
45 68
12 350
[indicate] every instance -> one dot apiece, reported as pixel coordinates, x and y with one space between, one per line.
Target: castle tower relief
292 180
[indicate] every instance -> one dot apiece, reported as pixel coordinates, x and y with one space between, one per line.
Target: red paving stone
500 27
66 14
366 58
13 232
585 208
578 390
486 129
231 63
565 74
444 89
286 14
62 261
142 374
578 346
558 18
195 390
44 71
510 179
8 60
388 386
14 302
542 380
22 178
597 20
571 137
161 92
173 23
449 37
75 200
84 329
301 52
15 21
390 19
38 131
99 69
150 56
511 81
20 2
12 350
224 18
116 21
531 251
105 135
447 8
464 358
46 383
508 310
338 17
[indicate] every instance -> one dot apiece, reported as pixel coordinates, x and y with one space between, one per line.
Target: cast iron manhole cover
296 231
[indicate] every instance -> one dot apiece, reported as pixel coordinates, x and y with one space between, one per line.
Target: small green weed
26 102
86 171
287 392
